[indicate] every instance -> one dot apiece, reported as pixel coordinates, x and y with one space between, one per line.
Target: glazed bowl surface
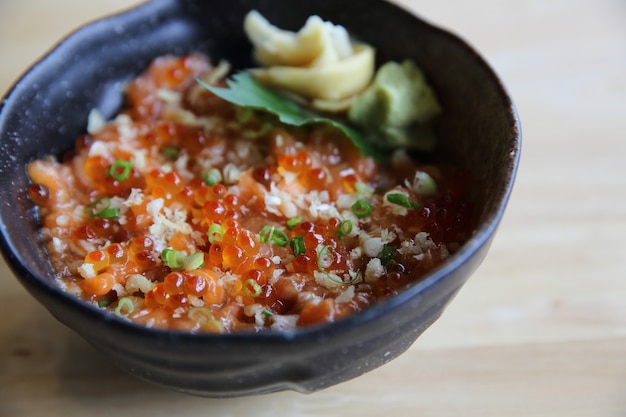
47 109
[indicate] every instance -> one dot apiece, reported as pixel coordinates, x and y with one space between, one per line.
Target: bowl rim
481 237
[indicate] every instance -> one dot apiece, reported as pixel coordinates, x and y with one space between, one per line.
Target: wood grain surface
539 330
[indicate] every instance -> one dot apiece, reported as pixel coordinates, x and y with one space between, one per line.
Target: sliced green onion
266 234
345 228
172 258
269 234
125 307
291 223
363 190
170 152
101 209
197 313
212 177
280 238
251 288
200 313
324 257
402 201
205 319
194 261
356 276
297 245
424 184
120 170
267 313
340 281
362 208
104 303
386 255
215 233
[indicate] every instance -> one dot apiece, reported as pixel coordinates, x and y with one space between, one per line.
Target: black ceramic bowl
47 109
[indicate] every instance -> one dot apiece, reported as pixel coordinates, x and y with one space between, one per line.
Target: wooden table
540 329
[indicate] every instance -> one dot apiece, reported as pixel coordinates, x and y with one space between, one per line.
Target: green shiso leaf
243 90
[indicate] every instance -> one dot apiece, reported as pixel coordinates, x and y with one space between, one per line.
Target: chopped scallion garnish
125 307
291 223
270 234
353 278
362 208
424 184
363 190
324 257
345 228
172 258
251 288
194 261
212 176
386 255
215 233
101 209
170 152
120 170
200 314
297 245
205 319
402 201
104 303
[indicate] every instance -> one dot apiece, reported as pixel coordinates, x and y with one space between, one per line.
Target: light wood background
540 329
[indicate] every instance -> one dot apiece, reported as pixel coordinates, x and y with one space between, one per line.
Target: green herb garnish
362 208
170 152
297 245
205 319
245 91
104 303
120 170
212 177
325 260
125 307
101 209
215 233
193 261
324 257
293 222
270 234
172 258
386 255
251 288
345 228
402 201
